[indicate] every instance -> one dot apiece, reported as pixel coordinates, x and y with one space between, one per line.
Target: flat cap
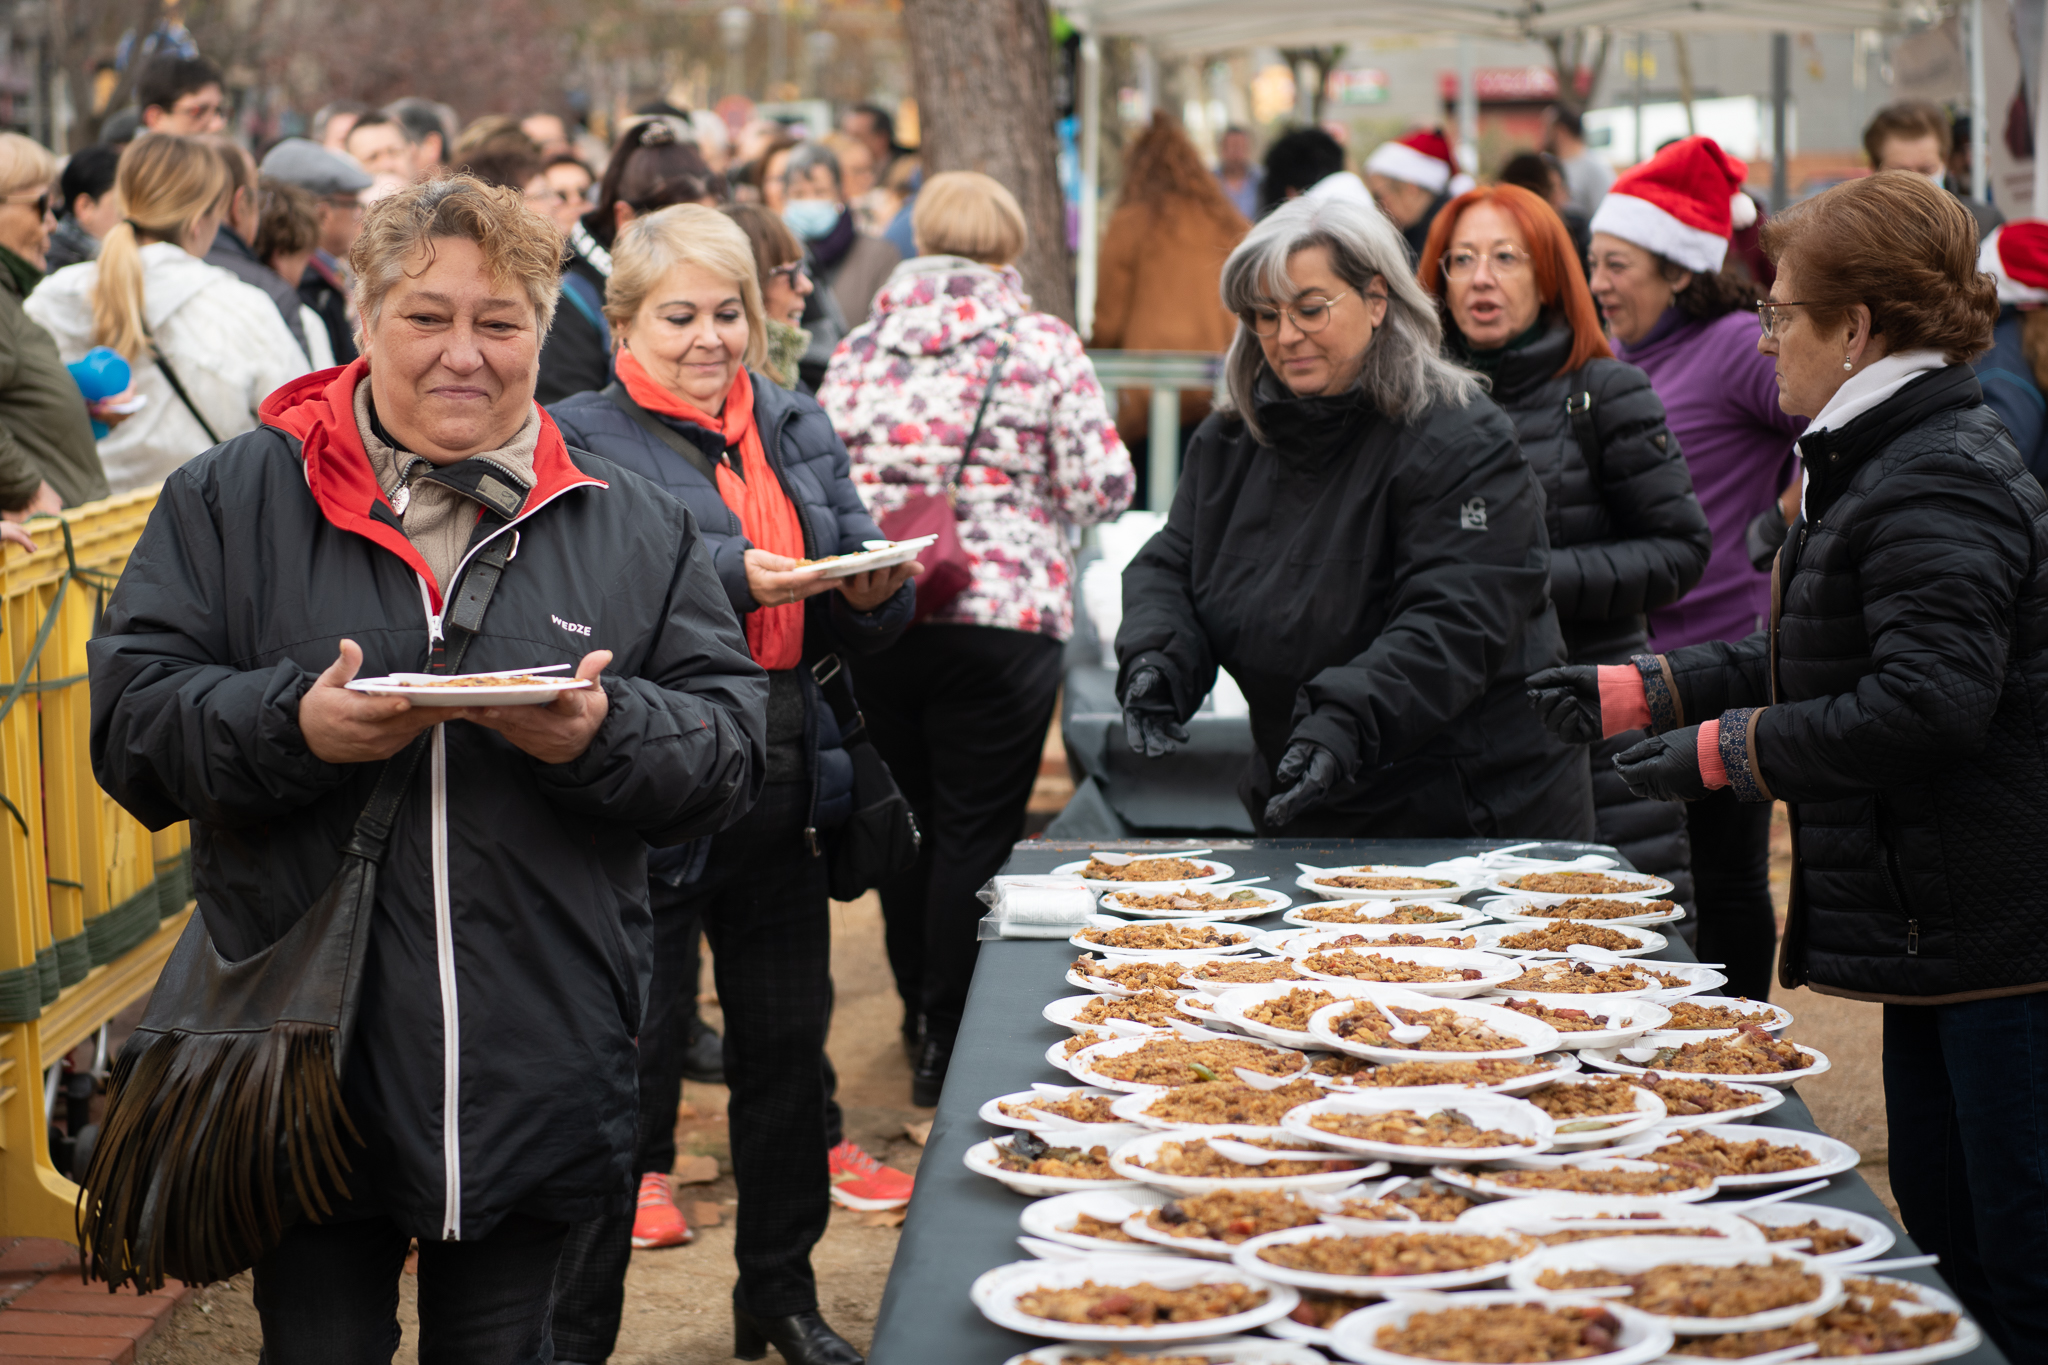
314 168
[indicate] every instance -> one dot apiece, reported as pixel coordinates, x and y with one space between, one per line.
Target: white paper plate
991 1111
1608 1059
1131 1108
1484 1182
1102 985
1460 885
1260 902
429 689
1246 939
1125 1161
995 1293
1517 1117
1230 1006
981 1159
1646 887
1651 988
1583 1213
1210 1248
1082 1067
1293 941
1629 1254
879 554
1831 1156
1194 979
1771 1018
1247 1258
1628 1020
1217 871
1567 1065
1649 1113
1049 1218
1064 1010
1464 916
1642 1337
1492 969
1523 909
1533 1036
1229 1351
1967 1337
1056 1055
1698 980
1490 936
1768 1097
1877 1237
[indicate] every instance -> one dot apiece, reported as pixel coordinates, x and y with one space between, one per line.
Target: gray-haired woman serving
1358 540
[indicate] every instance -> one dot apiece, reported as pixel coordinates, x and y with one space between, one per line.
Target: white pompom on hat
1422 157
2016 256
1684 203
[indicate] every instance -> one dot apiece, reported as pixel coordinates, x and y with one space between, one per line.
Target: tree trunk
983 74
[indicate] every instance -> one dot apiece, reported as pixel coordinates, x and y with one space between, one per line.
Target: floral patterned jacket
902 390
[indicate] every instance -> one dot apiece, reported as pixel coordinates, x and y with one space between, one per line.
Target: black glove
1306 773
1568 700
1665 767
1149 724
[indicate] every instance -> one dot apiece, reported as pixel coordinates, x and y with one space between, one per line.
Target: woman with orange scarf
766 478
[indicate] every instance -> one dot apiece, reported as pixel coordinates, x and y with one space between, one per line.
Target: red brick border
48 1316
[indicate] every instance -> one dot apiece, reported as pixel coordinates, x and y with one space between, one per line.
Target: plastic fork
1775 1197
1126 859
1895 1263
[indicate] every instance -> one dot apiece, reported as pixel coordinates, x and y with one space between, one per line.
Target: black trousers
762 904
1731 878
328 1295
959 713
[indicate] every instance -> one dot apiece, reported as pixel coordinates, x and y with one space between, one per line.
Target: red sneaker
659 1223
861 1182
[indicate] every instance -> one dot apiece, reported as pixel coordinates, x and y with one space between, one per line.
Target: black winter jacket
1899 704
575 357
1378 587
493 1065
813 465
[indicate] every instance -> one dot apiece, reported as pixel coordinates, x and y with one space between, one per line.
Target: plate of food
1692 1287
1294 941
1680 980
1278 1011
1703 1016
1445 972
875 554
1596 1111
1383 1258
1052 1108
1442 916
1703 1099
1460 1028
1113 975
1542 887
1588 1024
1582 1218
1382 882
1061 1054
1205 1160
1576 983
1215 1225
1213 976
1401 1198
1920 1323
1583 910
1229 1351
1205 1104
1500 1077
1836 1236
1749 1054
1516 1326
1607 1176
1751 1156
1162 1061
1147 868
1556 938
1038 1164
1195 901
1438 1126
1312 1319
1150 1011
511 687
1091 1220
1128 1298
1160 937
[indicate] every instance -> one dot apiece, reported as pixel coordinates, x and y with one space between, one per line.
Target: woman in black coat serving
1898 704
1357 539
1626 533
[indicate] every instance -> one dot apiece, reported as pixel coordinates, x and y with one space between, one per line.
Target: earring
1848 364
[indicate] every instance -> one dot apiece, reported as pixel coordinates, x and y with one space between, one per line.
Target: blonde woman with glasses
206 348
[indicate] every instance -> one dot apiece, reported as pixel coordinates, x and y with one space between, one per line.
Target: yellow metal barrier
90 901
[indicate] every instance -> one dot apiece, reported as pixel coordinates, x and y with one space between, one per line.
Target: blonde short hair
24 164
521 249
685 234
966 213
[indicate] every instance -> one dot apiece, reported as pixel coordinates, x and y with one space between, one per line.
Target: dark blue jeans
1966 1095
328 1295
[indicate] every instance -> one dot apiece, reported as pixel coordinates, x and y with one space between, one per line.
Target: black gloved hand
1149 724
1568 700
1306 773
1665 767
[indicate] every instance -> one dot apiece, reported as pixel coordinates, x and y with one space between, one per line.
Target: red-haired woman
1626 532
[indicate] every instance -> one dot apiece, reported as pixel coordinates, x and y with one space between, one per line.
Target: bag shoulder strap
995 372
830 675
660 430
585 299
1578 406
170 375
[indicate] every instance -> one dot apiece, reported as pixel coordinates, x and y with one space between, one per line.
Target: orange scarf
775 634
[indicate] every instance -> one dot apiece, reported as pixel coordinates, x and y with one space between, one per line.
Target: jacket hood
171 276
319 409
931 304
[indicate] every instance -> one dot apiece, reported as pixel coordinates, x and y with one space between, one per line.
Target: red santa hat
1684 203
2016 255
1422 157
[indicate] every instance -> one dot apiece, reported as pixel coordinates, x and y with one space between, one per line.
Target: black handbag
225 1123
881 837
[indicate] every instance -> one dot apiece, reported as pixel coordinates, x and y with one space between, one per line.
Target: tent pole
1781 99
1087 258
1980 110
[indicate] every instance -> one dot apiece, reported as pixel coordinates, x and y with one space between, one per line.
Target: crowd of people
1484 528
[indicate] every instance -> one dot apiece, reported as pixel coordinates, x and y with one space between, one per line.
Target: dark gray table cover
961 1224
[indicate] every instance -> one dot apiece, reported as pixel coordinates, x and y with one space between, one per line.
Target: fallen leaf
918 1132
705 1215
884 1218
696 1170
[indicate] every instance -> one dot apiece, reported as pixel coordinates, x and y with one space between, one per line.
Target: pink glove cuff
1712 770
1623 706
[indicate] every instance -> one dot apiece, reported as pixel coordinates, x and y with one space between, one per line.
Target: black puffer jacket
1900 704
1623 542
1378 587
492 1069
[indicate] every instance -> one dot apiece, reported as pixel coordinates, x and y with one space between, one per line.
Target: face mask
811 219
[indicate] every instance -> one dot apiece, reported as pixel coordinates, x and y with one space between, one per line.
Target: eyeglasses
546 196
41 201
1767 314
1503 260
788 272
1311 314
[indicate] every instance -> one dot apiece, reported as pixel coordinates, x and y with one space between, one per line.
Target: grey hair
1404 374
805 155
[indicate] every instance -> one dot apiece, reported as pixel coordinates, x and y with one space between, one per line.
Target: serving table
961 1224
